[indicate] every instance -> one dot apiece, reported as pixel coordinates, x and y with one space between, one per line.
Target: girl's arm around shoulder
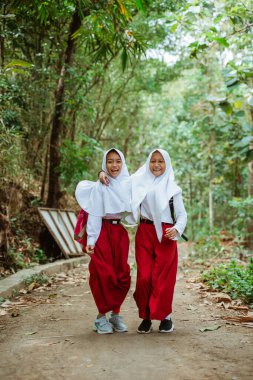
180 213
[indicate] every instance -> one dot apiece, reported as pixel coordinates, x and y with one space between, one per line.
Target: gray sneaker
118 323
102 326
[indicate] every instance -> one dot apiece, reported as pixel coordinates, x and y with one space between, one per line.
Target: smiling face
157 164
113 164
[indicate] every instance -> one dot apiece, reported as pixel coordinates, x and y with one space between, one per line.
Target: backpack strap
171 204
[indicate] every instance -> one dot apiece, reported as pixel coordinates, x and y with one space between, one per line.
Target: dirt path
52 338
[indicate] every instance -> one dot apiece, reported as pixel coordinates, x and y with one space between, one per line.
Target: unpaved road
52 338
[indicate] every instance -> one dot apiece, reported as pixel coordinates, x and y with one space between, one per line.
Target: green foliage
39 279
206 245
78 160
16 259
39 256
25 255
242 217
234 278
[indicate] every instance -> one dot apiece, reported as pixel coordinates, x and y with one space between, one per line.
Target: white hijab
157 190
98 199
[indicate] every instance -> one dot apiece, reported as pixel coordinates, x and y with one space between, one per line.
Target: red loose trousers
156 272
109 271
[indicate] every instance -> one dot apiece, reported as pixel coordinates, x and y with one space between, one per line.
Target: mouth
116 171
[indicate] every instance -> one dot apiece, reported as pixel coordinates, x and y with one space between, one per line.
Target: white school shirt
94 224
179 209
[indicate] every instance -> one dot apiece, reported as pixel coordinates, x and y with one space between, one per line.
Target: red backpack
80 234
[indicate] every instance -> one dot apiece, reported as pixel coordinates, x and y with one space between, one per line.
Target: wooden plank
78 246
57 239
60 231
60 224
69 233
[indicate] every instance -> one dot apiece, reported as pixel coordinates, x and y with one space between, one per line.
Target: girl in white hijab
153 185
107 240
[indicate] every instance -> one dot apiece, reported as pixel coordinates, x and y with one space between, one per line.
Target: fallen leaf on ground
3 312
31 333
203 295
210 328
23 291
31 286
221 297
240 318
54 295
191 307
245 324
7 303
225 305
15 313
234 307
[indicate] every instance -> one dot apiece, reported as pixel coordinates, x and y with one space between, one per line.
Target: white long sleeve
180 213
94 224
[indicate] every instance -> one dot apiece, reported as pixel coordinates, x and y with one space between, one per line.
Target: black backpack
173 216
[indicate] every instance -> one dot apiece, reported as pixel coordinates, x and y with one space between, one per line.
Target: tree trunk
211 214
2 38
44 177
250 165
57 132
250 189
191 206
4 232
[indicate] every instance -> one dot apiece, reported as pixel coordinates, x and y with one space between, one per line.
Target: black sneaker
166 326
145 327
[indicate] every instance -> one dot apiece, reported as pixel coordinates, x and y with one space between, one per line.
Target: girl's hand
103 178
171 233
89 250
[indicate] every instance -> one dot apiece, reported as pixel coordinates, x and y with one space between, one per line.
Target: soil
51 337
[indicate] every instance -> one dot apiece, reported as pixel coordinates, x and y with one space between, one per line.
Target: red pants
109 270
156 273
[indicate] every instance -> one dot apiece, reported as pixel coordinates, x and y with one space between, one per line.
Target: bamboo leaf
174 27
221 41
140 5
18 63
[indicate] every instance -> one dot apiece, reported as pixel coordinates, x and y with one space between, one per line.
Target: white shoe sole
167 331
120 331
102 332
145 332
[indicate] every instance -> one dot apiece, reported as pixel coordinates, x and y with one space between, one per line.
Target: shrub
233 278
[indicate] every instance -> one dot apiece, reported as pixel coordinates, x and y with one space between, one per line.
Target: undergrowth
234 278
39 279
